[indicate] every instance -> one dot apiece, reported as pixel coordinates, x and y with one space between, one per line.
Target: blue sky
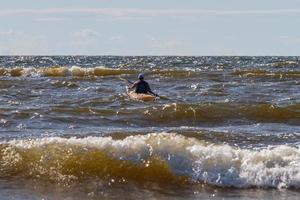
144 27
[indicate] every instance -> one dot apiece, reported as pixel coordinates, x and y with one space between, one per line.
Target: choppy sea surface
228 128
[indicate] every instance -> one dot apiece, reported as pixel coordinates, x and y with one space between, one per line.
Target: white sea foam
221 165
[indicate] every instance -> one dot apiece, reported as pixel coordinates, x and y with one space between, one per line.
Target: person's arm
133 85
150 91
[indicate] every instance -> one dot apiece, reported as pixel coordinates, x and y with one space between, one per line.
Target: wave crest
264 73
60 71
218 112
164 158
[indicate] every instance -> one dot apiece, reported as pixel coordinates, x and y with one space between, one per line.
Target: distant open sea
229 128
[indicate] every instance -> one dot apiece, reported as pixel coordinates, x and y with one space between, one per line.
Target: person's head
141 76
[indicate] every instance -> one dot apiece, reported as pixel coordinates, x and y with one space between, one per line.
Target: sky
150 27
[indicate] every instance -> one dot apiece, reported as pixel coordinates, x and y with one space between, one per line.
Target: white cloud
289 40
10 33
130 13
87 34
16 43
168 47
116 38
85 37
122 18
49 19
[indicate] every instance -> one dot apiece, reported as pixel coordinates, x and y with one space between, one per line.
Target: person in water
141 86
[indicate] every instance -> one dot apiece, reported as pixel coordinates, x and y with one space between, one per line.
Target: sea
224 128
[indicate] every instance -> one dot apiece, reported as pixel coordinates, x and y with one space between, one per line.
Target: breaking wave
75 71
59 71
157 157
264 73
